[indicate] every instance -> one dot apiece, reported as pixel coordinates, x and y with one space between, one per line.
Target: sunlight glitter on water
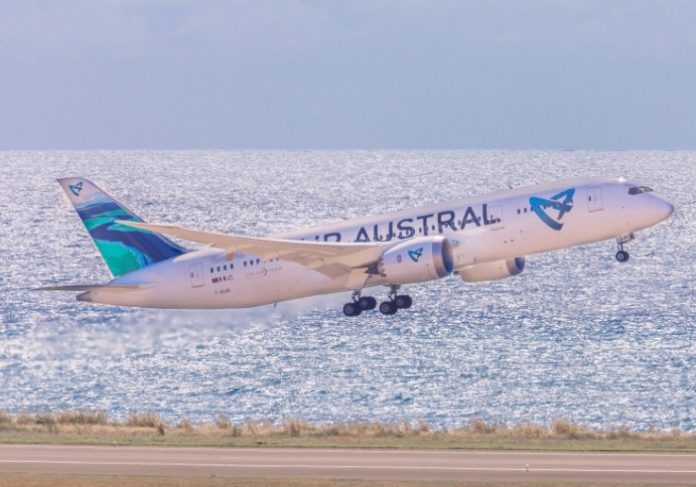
577 335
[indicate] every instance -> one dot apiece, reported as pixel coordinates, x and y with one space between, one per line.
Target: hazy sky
347 74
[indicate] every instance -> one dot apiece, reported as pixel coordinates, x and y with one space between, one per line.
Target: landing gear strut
622 255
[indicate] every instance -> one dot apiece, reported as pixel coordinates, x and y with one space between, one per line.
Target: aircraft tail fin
124 249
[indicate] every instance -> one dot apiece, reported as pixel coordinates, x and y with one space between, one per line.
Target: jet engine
489 271
417 260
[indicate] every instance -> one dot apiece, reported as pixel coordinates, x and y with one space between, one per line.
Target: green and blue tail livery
124 249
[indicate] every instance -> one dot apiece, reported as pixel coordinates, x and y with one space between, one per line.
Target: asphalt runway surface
494 466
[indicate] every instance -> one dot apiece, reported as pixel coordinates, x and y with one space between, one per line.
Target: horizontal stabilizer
95 287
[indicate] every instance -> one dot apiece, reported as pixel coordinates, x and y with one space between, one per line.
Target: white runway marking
345 467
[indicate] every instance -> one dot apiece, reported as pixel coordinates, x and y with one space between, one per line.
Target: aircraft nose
662 209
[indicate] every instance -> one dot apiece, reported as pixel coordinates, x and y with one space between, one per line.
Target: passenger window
634 190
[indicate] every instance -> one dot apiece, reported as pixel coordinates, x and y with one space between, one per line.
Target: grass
94 428
55 480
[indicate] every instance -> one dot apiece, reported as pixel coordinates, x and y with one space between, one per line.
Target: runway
493 466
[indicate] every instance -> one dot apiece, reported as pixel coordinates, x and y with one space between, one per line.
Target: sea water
577 335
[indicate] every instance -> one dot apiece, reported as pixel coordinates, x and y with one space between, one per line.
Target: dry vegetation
95 427
55 480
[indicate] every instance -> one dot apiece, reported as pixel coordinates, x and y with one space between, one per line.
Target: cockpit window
639 190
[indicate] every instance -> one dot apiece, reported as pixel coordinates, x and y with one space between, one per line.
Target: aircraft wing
331 258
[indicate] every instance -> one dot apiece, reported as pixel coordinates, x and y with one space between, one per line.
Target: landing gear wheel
367 303
351 309
403 301
388 307
622 256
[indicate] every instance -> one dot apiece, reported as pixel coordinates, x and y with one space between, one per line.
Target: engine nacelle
489 271
417 260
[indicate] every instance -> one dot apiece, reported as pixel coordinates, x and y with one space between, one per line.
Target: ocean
577 335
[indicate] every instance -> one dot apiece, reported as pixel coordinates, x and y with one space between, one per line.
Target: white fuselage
481 229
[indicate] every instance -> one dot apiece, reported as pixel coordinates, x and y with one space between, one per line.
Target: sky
377 74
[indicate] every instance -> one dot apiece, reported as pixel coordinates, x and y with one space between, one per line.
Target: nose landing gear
622 255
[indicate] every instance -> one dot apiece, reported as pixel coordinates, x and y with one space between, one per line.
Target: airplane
480 238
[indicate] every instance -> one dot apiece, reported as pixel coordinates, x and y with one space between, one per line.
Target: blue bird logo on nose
75 188
540 205
415 254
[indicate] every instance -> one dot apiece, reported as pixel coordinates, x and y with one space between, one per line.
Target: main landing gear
359 304
622 255
368 303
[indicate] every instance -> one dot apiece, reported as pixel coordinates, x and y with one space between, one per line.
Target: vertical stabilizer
124 249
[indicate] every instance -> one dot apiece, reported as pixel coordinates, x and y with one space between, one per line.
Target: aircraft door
594 199
196 274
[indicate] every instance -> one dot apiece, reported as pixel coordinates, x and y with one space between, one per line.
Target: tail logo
562 202
415 254
75 188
